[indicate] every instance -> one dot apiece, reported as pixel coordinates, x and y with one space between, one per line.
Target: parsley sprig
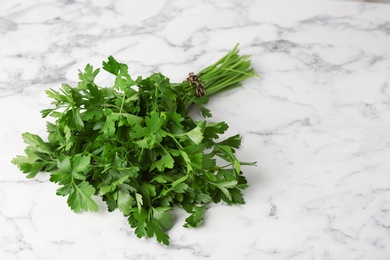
135 145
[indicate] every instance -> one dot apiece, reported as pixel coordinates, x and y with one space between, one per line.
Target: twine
193 79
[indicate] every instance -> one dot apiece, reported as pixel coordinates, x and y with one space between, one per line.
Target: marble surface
317 122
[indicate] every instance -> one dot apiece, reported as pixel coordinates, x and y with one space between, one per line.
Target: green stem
123 102
227 73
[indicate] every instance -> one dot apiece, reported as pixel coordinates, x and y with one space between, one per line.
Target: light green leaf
81 163
64 190
187 160
108 128
228 184
68 135
196 134
237 166
138 198
31 168
133 119
225 191
138 131
36 142
154 122
180 188
110 188
166 161
80 197
125 202
77 119
30 158
63 164
78 175
180 180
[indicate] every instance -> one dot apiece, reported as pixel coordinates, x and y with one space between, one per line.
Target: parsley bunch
135 145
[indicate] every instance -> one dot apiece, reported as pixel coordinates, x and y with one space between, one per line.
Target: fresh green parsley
135 145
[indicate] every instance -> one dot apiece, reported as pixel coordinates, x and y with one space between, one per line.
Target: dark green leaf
111 66
196 218
163 215
161 236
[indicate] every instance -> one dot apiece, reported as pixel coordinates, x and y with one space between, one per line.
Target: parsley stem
123 102
173 137
227 73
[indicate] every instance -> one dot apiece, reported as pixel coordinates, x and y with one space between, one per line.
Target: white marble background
317 122
368 1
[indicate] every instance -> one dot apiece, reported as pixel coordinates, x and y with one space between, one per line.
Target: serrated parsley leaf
81 162
139 200
109 128
111 66
36 142
154 122
233 141
110 188
161 236
164 216
78 122
80 197
125 202
31 168
196 218
196 134
64 164
180 188
88 76
166 162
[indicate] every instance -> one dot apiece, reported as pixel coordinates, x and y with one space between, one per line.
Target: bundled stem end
227 73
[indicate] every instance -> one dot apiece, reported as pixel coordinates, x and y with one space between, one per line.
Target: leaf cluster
134 145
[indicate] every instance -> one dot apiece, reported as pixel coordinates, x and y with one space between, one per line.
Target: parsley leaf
196 218
80 197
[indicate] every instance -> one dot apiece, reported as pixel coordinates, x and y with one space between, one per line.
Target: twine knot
194 80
